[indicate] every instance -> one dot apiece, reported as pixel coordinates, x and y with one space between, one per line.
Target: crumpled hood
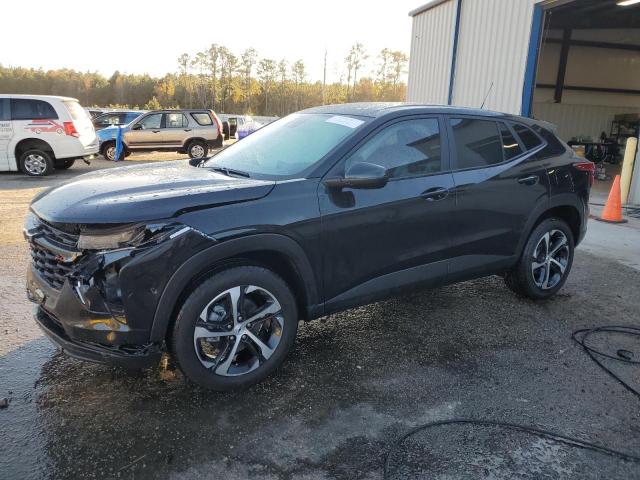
145 192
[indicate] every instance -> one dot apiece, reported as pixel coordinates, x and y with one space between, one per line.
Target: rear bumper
142 357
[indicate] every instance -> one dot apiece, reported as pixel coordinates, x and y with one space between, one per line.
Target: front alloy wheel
235 328
238 330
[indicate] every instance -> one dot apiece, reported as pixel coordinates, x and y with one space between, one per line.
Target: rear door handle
532 180
187 129
155 131
435 194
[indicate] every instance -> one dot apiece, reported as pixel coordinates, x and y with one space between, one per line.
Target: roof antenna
486 96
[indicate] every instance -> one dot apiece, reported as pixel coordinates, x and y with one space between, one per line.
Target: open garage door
588 76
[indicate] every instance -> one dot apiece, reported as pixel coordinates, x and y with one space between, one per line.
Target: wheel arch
276 252
566 207
188 141
32 143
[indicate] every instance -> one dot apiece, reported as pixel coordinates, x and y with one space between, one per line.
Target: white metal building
575 63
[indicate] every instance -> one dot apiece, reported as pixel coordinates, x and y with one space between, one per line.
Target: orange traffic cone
612 212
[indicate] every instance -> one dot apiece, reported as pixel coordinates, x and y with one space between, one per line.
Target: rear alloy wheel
36 163
545 262
235 329
197 149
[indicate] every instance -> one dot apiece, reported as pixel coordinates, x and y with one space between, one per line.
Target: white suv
39 133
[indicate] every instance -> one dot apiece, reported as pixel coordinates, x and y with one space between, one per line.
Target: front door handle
435 194
155 131
187 129
532 180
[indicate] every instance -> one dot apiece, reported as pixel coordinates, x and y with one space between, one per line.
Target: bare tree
213 54
248 59
299 74
267 73
399 66
358 57
282 72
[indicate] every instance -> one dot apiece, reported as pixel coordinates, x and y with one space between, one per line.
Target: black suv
323 210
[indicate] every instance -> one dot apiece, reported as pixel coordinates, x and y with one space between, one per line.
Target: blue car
107 134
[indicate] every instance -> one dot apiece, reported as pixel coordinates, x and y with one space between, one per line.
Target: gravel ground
353 384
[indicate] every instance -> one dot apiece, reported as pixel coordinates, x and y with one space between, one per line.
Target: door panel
150 134
176 129
493 203
379 242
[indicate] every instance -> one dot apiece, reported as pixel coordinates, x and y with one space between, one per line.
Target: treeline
219 79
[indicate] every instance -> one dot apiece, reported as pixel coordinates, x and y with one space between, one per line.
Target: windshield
288 146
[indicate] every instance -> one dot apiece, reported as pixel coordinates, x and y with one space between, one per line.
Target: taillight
70 129
217 120
587 166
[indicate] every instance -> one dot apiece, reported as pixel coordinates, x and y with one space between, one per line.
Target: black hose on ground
580 337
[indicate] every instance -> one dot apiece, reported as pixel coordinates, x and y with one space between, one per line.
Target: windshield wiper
230 172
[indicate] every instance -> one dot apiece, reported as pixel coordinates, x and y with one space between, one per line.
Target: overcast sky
145 36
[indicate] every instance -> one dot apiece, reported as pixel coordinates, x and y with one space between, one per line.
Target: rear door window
203 118
477 142
529 139
176 120
554 145
27 109
510 146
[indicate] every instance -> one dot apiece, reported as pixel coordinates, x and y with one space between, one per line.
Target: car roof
37 97
378 109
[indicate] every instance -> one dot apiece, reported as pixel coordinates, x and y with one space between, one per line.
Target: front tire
235 329
197 149
36 163
546 261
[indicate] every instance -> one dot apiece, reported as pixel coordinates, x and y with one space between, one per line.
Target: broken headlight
129 236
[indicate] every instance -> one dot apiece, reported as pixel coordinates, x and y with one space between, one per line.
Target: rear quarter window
554 145
28 109
76 111
529 139
203 118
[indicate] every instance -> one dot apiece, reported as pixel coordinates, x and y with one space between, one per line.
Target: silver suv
184 131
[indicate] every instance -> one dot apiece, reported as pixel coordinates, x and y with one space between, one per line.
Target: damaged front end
97 287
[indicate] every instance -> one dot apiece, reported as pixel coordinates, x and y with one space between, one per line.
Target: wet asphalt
352 385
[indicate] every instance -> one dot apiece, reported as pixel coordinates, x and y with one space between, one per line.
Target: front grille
53 266
62 239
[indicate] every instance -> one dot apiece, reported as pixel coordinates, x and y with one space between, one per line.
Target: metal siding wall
492 47
430 59
574 120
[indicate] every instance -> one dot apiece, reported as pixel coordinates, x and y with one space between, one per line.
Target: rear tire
223 351
545 263
197 149
36 163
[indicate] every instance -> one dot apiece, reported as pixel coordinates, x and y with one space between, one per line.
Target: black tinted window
554 146
23 109
510 146
529 139
405 149
4 109
478 142
202 118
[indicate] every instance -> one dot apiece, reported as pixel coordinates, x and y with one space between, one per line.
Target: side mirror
360 175
137 126
198 162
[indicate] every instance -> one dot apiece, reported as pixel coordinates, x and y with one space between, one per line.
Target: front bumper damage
102 309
